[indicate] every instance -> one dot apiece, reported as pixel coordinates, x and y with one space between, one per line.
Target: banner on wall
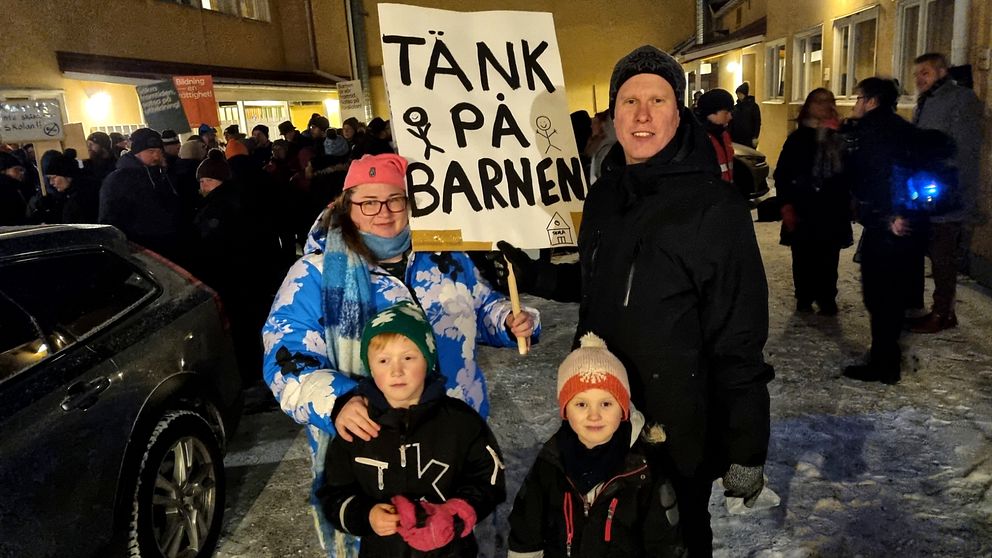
197 96
478 107
162 107
31 120
351 100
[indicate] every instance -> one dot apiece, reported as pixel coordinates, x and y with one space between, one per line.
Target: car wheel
179 496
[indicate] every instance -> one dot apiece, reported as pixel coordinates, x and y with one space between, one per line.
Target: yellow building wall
101 104
592 36
750 11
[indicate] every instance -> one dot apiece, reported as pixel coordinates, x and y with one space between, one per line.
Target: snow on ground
861 469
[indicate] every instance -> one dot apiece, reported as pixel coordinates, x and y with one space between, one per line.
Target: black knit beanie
647 60
214 166
713 101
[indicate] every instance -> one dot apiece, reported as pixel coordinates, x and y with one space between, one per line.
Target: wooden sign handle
515 304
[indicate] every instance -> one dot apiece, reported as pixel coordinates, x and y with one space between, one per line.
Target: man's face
863 105
926 74
95 149
60 183
172 149
260 138
647 116
720 117
17 173
153 157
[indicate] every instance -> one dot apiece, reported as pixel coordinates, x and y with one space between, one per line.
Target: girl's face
385 223
348 132
594 416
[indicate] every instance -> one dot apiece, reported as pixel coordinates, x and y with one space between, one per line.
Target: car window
22 343
73 294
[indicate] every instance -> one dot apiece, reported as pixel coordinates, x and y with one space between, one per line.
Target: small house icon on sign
559 233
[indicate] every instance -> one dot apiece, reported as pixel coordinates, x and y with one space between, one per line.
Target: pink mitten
438 526
407 511
464 511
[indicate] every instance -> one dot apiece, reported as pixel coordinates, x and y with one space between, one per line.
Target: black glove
744 481
492 267
525 269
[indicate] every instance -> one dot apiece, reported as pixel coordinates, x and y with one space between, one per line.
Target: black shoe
804 307
868 373
828 309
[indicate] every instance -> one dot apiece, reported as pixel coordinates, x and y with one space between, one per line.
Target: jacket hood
381 412
551 454
317 237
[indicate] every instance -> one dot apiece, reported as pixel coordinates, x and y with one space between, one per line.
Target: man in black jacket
670 276
746 125
882 148
140 198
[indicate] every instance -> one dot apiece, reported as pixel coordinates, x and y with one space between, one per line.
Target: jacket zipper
569 526
630 274
609 519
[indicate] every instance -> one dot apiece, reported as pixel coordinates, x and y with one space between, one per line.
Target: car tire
178 503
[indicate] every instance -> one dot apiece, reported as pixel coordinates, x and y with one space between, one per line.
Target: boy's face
594 415
399 369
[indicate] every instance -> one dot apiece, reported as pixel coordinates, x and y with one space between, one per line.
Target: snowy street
861 469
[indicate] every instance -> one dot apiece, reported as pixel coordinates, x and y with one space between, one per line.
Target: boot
933 323
869 373
828 308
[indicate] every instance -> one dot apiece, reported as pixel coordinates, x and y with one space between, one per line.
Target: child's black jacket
436 450
633 516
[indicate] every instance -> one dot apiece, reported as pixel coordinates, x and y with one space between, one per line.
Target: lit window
854 50
807 59
775 71
922 26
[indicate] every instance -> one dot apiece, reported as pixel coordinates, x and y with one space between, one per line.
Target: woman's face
348 132
385 224
822 107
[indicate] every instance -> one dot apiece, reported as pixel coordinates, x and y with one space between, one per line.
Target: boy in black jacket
433 471
590 493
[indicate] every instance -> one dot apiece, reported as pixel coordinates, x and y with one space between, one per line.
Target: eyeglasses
371 208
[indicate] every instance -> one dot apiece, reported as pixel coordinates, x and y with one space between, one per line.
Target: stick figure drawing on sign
544 130
417 117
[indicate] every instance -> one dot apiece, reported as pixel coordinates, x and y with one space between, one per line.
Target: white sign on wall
478 107
33 120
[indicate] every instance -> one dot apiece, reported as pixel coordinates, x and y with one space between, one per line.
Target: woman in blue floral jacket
357 262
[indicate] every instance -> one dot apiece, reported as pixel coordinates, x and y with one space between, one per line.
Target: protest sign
197 96
34 120
161 106
351 100
478 107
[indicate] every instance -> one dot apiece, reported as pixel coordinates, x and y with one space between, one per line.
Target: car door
65 409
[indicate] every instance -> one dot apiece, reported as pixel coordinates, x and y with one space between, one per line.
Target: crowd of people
373 347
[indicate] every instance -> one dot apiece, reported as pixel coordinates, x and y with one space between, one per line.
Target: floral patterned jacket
461 306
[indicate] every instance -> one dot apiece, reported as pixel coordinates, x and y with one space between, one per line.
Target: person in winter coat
591 493
670 276
882 147
80 194
13 206
816 202
603 138
101 161
746 124
713 110
233 253
944 105
140 198
358 261
377 489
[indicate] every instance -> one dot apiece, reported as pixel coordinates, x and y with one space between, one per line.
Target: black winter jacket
633 515
436 450
142 202
13 207
746 123
672 280
809 176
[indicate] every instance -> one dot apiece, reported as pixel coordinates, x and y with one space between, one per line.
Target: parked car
750 171
118 393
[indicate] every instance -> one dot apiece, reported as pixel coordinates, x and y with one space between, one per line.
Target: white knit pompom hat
592 366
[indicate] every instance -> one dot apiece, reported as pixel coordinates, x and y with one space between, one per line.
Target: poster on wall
477 104
197 96
162 107
351 100
30 120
